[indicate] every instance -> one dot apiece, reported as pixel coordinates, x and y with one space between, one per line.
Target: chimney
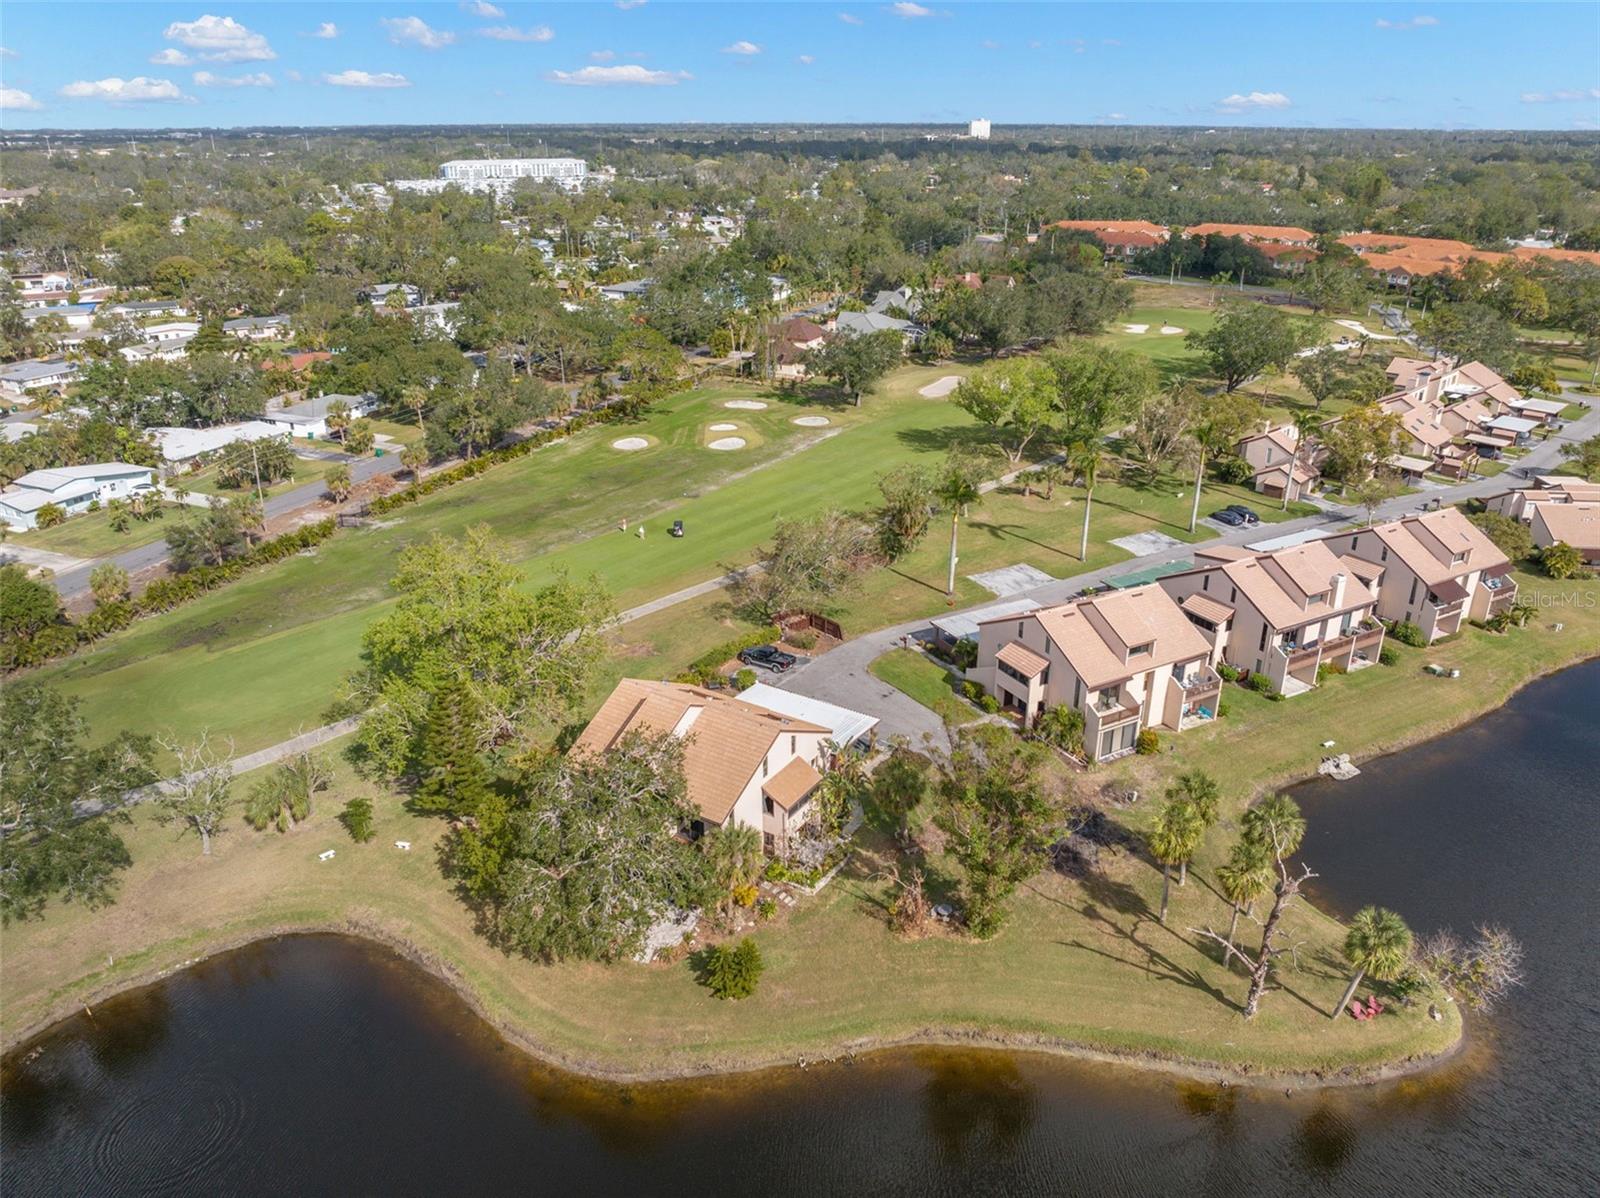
1339 580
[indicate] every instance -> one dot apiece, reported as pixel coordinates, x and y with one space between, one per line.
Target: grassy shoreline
572 1023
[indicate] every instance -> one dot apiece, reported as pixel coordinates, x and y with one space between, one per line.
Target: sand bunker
723 428
939 388
746 405
1135 328
812 421
1170 330
727 443
629 444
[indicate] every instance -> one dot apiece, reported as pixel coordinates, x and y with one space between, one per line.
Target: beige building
1518 504
1127 660
1278 460
1439 570
1577 524
1283 614
743 764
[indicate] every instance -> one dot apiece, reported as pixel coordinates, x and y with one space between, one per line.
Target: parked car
1229 517
1244 513
769 656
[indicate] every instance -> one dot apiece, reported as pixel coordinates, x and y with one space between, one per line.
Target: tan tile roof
1278 584
1364 570
1207 608
1145 614
1409 538
1283 437
1252 232
1023 659
791 785
725 739
1578 524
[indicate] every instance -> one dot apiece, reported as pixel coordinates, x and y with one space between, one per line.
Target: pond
321 1064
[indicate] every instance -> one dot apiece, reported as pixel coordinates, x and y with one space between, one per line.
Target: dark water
316 1065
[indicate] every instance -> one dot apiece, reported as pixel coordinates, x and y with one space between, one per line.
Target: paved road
840 675
144 556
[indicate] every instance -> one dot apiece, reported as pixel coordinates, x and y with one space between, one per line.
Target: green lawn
925 681
91 535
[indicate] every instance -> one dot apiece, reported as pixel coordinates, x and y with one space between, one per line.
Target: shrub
1227 673
357 820
94 506
732 971
1231 469
989 704
1560 560
972 691
745 896
766 908
965 654
50 515
1061 726
1261 684
1327 669
1222 709
1148 743
1407 633
745 679
1388 655
801 638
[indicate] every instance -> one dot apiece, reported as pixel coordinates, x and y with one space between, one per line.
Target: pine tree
453 777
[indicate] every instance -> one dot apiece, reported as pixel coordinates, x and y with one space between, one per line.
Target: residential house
180 445
1283 614
75 316
146 309
378 295
855 324
796 339
1439 570
1402 260
626 290
1257 235
21 379
1519 503
901 299
1157 233
1127 660
258 328
309 417
1577 524
71 488
15 430
951 630
172 348
1280 461
295 360
744 764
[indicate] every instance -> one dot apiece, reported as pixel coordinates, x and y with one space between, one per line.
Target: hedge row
704 669
59 640
466 470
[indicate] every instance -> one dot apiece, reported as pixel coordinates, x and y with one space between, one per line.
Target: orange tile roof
1530 253
1115 226
1252 232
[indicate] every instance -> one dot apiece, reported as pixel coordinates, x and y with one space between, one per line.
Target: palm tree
958 489
735 856
1275 826
338 483
415 397
338 418
1243 878
1177 834
1378 943
1201 789
1085 458
414 458
1050 476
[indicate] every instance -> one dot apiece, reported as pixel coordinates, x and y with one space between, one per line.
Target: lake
323 1065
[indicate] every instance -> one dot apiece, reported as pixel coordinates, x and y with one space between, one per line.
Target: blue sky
128 65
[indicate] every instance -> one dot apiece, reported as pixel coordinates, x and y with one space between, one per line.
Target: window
763 767
1413 598
1140 650
766 804
1384 556
1263 645
1353 542
1205 583
1019 630
1233 594
794 744
1077 692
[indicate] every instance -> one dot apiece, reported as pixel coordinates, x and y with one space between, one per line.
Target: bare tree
1480 973
201 796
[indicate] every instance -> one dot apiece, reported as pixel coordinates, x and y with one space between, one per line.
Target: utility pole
255 461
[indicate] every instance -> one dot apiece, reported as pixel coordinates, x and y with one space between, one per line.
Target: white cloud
742 47
481 8
327 31
910 11
15 100
207 79
805 60
1115 116
171 57
292 76
1413 23
8 52
220 39
849 18
1566 95
1245 102
509 33
624 76
416 31
123 91
625 5
367 79
602 55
